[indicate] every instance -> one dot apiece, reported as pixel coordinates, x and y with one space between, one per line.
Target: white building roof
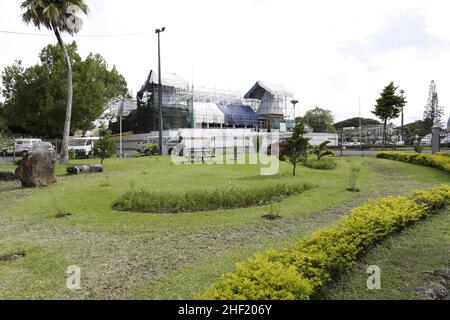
208 113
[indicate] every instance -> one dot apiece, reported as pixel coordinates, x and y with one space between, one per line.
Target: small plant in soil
355 170
12 256
106 183
62 214
274 211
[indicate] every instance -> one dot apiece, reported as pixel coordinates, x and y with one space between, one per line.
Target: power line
79 36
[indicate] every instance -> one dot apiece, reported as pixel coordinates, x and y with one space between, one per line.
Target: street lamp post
161 128
294 102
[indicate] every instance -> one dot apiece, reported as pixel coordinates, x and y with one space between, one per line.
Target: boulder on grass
37 169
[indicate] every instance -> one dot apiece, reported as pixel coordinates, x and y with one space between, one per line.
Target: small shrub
322 164
257 279
72 154
300 271
136 155
105 147
418 148
202 200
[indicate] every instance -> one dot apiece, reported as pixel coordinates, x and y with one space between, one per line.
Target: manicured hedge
438 160
202 200
298 272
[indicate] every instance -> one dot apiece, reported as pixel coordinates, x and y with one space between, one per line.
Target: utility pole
122 106
403 117
360 126
161 123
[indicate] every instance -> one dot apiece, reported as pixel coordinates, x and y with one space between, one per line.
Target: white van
83 147
21 147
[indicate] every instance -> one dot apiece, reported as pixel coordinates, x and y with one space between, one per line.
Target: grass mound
322 164
204 200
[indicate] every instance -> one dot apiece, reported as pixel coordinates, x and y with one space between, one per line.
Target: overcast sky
329 53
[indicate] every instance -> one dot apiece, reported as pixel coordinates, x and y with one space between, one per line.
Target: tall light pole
161 128
403 118
294 102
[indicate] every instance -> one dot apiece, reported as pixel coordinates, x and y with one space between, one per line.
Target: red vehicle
283 143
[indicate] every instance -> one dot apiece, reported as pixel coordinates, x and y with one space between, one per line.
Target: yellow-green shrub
297 272
261 279
438 160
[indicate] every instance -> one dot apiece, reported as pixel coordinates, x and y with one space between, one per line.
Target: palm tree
321 150
58 16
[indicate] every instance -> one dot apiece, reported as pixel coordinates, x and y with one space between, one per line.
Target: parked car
282 143
150 145
381 143
21 147
83 147
47 146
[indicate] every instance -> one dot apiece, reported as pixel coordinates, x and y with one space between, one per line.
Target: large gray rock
37 169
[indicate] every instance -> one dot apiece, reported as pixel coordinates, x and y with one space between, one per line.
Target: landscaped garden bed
300 271
206 200
439 160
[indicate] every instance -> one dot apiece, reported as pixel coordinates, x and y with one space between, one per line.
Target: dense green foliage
202 200
321 150
35 97
320 120
354 123
327 253
434 112
439 160
417 128
105 147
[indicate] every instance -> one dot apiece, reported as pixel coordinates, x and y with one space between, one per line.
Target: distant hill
355 123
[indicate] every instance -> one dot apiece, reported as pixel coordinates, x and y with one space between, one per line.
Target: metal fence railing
11 151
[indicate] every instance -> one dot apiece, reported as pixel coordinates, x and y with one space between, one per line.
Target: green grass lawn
132 255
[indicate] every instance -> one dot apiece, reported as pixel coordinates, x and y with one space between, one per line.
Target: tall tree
389 106
320 120
35 97
434 113
59 16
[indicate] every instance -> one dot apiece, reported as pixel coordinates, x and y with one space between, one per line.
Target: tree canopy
354 123
320 120
35 97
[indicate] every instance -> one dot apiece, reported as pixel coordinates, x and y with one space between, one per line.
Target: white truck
83 147
21 147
